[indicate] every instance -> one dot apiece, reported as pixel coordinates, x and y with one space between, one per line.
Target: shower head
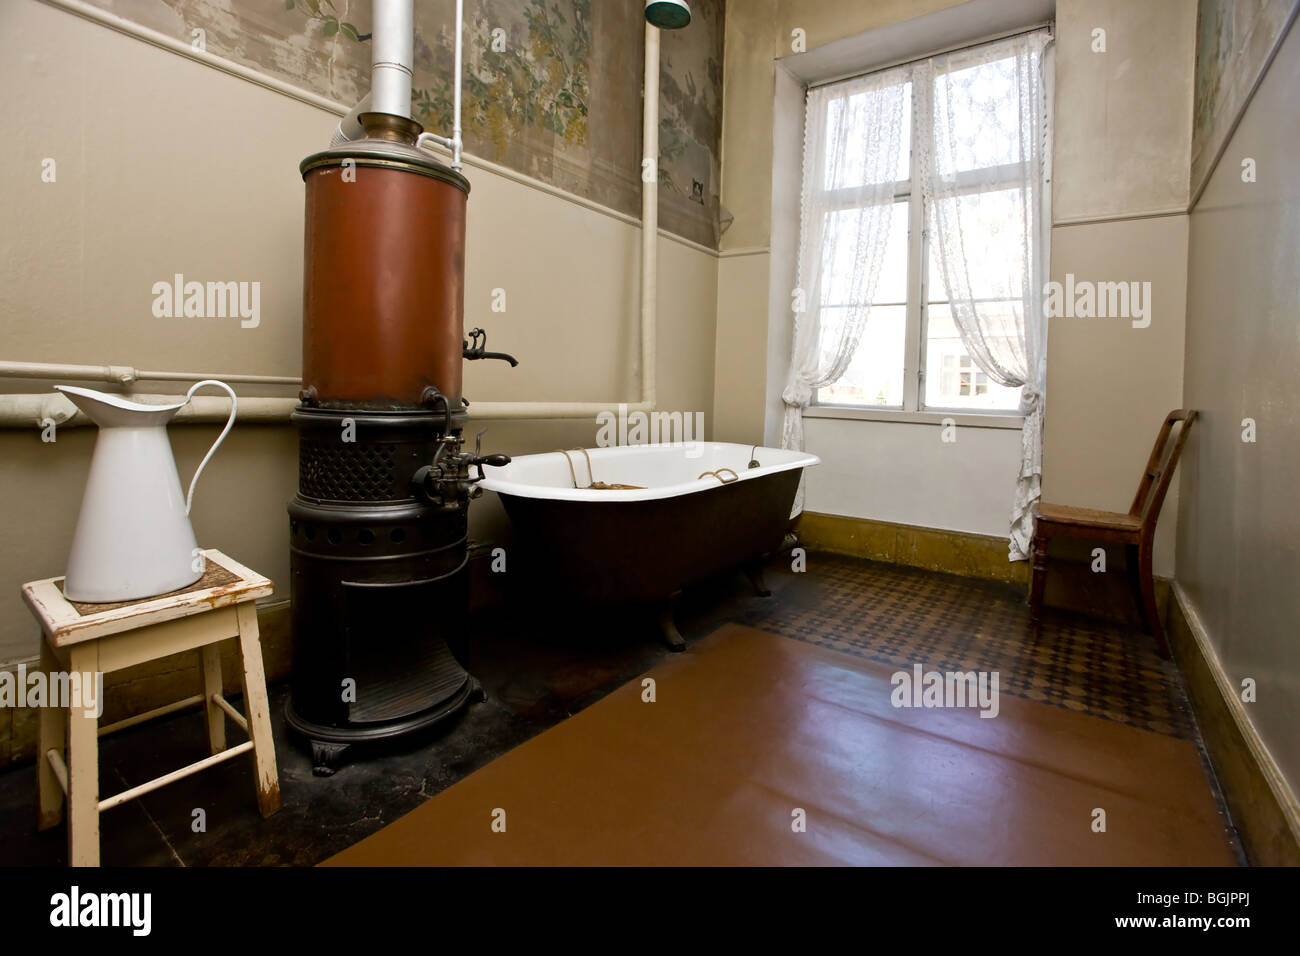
668 14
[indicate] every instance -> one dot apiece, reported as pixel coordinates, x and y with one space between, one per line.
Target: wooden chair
1135 530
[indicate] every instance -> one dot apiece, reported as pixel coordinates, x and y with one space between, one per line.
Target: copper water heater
378 526
384 276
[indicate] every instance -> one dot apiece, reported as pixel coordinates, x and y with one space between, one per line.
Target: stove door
397 645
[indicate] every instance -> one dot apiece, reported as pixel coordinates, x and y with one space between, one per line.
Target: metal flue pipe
392 54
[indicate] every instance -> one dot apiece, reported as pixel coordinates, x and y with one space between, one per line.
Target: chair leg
1036 583
257 711
1131 562
1148 584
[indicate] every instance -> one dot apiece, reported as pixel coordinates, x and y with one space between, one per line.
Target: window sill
964 419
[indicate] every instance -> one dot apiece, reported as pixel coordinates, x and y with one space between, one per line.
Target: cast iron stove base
328 744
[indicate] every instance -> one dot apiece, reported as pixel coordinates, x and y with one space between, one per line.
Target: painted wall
1123 134
758 32
165 165
1109 384
1123 116
1238 557
904 473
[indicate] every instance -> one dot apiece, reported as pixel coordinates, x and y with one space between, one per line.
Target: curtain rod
1048 25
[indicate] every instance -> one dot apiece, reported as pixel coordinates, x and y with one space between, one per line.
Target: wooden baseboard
140 689
1071 583
1262 805
954 552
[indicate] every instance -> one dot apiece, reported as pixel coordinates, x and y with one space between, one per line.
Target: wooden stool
101 638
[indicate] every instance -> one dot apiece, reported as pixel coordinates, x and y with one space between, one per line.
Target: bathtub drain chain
595 485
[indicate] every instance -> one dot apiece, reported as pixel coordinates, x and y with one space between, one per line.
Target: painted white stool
99 639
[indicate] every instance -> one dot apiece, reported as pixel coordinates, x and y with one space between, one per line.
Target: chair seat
1088 517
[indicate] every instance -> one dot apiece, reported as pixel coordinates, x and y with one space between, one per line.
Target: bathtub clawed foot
754 571
668 627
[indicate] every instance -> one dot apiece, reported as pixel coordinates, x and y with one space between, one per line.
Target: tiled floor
537 673
900 616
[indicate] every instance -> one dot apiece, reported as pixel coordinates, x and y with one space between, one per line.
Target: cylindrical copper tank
384 277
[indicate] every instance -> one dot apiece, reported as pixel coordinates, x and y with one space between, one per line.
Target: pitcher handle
234 407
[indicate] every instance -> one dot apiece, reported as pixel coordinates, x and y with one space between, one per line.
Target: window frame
916 309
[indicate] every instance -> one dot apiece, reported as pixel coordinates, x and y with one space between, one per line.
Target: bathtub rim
546 492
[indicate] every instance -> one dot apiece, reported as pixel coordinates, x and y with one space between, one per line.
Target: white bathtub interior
661 471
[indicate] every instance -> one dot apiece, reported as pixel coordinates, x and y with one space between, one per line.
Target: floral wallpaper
1234 39
552 87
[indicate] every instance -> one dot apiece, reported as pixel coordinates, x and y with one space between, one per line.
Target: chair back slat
1160 467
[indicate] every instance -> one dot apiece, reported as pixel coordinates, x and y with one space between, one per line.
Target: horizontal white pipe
426 138
126 375
537 410
37 411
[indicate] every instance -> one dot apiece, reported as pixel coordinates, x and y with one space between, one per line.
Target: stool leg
53 736
83 770
258 711
210 667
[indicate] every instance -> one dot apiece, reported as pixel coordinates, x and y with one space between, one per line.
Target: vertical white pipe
649 213
392 52
455 119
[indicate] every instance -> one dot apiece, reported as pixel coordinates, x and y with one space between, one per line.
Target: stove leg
476 692
326 757
668 627
754 571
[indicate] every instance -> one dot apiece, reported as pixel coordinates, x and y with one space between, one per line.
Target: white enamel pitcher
133 537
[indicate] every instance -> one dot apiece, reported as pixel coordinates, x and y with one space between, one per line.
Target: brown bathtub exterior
640 552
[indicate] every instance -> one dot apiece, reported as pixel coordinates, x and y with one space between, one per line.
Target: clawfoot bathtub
636 524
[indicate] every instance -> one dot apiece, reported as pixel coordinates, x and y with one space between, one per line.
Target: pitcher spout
114 411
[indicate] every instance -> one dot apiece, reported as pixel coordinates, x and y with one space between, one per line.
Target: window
911 356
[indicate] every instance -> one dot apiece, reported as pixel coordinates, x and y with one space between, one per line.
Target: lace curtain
852 141
985 177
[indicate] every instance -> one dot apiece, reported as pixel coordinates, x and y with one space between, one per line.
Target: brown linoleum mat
895 615
748 727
